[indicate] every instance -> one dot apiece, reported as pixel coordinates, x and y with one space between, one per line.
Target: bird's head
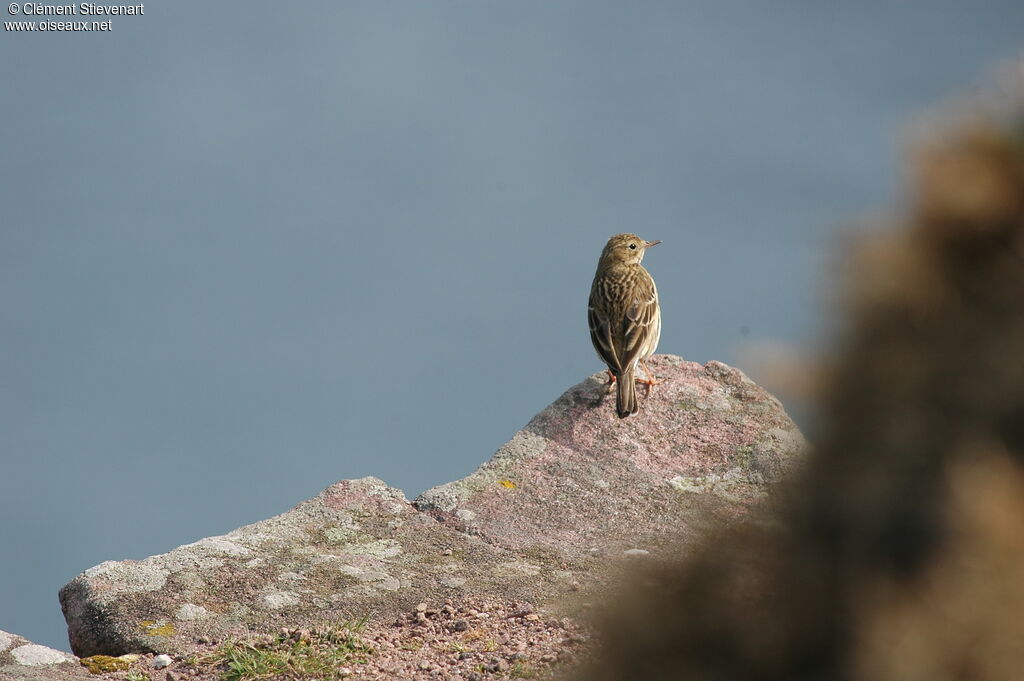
626 249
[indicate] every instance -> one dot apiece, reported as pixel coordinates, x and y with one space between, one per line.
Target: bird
624 316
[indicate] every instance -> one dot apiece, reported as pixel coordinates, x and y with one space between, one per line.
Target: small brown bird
624 316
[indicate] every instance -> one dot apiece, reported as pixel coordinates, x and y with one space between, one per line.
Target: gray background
249 249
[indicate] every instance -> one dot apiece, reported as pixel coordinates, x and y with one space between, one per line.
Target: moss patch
102 664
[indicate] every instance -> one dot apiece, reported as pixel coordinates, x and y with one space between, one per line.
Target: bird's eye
632 247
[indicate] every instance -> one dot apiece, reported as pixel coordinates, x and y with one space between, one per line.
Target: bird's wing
638 323
601 336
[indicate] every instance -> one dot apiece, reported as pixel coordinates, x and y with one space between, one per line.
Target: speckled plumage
624 315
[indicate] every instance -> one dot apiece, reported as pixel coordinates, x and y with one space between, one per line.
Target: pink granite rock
579 481
568 497
357 548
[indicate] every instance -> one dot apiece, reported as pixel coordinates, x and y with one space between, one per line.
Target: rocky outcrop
355 549
576 482
561 503
22 659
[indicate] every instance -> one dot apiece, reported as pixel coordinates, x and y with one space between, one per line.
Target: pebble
161 661
496 665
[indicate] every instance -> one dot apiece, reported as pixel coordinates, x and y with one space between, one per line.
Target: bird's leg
607 388
610 383
650 381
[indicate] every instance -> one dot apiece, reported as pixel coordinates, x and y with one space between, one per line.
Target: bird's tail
625 396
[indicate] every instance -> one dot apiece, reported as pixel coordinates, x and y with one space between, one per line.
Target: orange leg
651 380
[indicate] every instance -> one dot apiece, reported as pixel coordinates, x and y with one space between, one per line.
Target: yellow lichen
151 628
508 484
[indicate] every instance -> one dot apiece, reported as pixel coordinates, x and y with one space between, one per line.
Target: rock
22 659
356 547
577 478
161 661
524 526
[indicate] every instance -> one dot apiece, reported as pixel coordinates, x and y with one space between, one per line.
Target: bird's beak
648 244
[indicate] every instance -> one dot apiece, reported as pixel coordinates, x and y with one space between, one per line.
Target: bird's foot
651 379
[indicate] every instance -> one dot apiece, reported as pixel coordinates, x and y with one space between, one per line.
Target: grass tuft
318 653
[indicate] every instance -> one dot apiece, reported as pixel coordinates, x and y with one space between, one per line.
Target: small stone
636 552
422 607
460 625
475 676
532 617
424 665
161 661
446 552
